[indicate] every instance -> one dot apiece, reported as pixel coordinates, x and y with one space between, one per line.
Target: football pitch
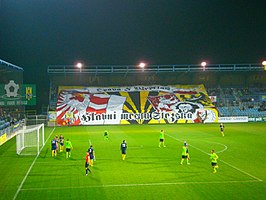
149 172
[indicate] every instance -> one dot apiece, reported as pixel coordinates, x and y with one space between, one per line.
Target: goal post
30 140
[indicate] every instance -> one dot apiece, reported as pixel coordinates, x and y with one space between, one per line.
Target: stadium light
203 64
79 65
142 65
264 64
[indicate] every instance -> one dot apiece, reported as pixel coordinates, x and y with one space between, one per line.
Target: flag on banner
83 105
163 103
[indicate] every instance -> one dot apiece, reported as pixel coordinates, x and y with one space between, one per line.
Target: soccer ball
64 123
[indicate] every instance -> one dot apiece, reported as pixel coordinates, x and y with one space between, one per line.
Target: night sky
38 33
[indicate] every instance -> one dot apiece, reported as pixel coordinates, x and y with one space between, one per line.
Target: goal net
30 140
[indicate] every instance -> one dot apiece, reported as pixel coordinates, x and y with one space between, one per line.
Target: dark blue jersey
54 144
91 152
61 140
123 147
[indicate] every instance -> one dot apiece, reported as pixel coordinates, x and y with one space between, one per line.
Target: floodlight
79 65
142 65
203 64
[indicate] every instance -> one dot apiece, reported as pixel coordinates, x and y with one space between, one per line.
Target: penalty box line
246 173
31 166
138 185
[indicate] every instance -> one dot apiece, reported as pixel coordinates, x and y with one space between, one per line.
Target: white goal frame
36 135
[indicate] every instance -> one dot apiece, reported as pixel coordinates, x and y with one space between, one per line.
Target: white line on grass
254 177
138 185
29 170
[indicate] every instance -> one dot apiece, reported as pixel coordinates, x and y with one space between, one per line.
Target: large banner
14 94
134 104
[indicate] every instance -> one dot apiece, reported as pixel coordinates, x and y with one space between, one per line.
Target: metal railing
121 69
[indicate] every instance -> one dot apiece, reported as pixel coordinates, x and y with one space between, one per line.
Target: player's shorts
184 156
86 164
67 149
161 140
123 151
91 157
62 144
54 148
213 164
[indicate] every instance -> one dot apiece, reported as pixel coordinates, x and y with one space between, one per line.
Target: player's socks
91 162
123 157
182 161
52 153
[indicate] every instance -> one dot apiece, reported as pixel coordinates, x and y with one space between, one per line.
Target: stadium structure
186 103
11 109
234 89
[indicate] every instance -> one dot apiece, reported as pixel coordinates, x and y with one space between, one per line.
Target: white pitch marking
225 147
254 177
139 185
29 170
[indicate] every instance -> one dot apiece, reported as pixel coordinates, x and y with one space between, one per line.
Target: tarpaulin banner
134 105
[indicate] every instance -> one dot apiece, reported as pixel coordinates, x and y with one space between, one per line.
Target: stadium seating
4 125
240 101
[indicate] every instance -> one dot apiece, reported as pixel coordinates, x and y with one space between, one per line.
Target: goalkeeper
87 161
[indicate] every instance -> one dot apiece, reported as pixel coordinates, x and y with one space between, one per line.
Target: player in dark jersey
87 161
124 149
222 129
54 145
92 155
61 142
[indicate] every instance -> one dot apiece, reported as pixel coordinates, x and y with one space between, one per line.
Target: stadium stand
239 88
11 116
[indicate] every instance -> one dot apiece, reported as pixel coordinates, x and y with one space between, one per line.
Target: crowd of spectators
7 118
242 99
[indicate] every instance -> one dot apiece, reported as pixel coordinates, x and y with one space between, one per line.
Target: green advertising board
13 94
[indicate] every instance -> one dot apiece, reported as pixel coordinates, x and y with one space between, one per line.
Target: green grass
148 172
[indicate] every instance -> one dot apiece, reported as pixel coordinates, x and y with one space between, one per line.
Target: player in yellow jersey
161 139
68 148
185 154
214 157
